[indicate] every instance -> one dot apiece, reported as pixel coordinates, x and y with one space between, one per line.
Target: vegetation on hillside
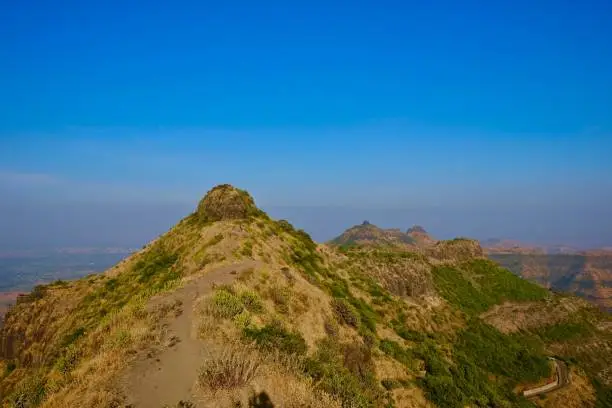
346 325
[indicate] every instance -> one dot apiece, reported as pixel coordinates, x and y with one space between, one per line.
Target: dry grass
234 367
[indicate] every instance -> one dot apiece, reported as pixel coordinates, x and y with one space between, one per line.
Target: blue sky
482 118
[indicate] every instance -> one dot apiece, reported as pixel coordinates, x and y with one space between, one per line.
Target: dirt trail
170 375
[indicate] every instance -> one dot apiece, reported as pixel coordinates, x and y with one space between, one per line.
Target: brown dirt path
169 376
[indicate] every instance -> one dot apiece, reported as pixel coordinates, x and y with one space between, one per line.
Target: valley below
21 271
587 274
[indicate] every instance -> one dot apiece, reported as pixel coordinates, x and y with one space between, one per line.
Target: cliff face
587 274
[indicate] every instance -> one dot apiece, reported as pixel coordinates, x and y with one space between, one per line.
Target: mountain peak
226 202
369 234
416 229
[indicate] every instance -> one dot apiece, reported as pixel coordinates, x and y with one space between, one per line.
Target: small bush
396 351
68 361
251 301
331 327
358 360
346 312
10 367
29 393
247 249
37 293
280 296
225 304
243 319
233 368
284 225
214 240
156 263
73 337
389 384
275 336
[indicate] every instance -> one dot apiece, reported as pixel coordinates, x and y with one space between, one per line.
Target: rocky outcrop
420 236
458 249
225 202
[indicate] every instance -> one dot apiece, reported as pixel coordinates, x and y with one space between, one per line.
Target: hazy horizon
133 225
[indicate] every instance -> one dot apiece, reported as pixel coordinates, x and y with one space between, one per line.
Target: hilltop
231 308
370 234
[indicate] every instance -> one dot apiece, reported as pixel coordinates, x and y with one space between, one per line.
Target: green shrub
275 336
284 226
565 331
37 293
393 349
603 393
390 384
251 301
247 249
243 319
225 304
214 240
68 360
29 393
367 315
156 262
346 312
73 336
10 367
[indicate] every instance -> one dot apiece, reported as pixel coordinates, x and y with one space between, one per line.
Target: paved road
561 380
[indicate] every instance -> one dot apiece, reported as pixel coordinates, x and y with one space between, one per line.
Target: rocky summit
230 308
225 202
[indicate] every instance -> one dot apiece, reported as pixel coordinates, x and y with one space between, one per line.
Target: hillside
233 309
587 274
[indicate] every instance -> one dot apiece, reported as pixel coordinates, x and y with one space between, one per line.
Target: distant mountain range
586 273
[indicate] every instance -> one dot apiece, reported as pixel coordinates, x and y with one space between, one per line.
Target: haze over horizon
480 120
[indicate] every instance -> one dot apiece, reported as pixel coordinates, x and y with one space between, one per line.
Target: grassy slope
357 330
